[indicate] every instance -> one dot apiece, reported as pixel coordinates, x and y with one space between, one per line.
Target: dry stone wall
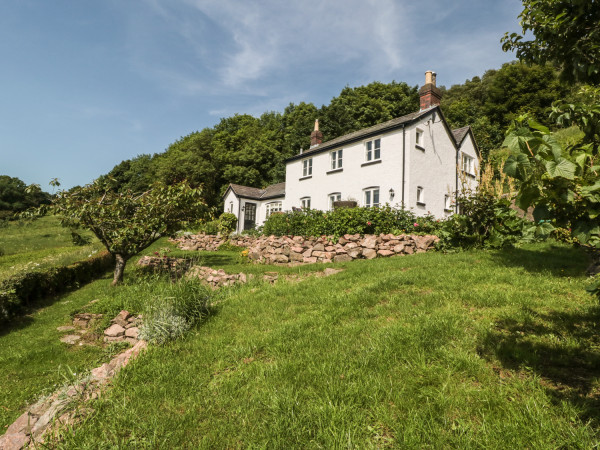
300 250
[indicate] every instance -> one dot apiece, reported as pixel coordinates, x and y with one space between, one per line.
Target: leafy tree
126 222
16 196
566 32
364 106
136 174
298 122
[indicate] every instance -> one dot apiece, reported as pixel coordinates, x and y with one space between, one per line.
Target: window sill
448 210
420 204
369 163
418 147
335 171
305 178
470 175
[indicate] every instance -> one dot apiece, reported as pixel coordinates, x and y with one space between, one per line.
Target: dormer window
373 150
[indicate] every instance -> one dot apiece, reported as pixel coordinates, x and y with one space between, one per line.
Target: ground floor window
305 202
335 197
447 202
272 207
420 196
231 207
371 197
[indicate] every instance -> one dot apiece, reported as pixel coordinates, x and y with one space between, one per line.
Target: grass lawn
474 349
40 244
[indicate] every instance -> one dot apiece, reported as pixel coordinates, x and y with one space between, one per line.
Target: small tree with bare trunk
125 222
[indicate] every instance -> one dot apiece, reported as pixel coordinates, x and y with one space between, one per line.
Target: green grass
474 349
37 245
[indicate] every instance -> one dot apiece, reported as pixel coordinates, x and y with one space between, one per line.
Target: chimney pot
316 137
429 93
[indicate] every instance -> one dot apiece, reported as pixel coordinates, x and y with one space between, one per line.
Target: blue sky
89 83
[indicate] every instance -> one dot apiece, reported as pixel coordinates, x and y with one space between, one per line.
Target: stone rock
351 245
296 256
342 240
70 339
297 249
385 252
319 247
132 332
408 250
65 328
369 253
14 441
330 271
42 423
399 248
355 252
22 425
370 242
114 331
342 258
330 248
310 259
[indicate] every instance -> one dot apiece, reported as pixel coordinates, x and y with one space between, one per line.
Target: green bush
171 317
484 221
227 223
26 288
336 223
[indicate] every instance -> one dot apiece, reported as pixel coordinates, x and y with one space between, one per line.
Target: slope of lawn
475 349
40 244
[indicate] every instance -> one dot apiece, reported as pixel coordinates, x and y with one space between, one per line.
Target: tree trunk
119 268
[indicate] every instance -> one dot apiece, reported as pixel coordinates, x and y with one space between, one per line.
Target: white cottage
415 161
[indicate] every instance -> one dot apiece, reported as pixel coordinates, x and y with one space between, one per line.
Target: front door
249 216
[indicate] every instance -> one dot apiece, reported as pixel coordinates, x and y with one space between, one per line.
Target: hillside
473 349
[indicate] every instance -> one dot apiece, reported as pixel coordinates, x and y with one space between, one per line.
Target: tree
566 32
16 196
125 222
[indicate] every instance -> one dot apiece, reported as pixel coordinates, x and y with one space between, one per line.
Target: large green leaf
543 230
527 195
561 168
541 212
553 145
585 229
516 140
516 165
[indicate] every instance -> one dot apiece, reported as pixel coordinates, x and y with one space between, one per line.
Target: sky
89 83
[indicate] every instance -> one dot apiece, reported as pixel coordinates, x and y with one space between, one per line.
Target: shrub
336 223
173 314
227 223
26 288
484 221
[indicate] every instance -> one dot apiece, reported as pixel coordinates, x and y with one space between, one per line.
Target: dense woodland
251 150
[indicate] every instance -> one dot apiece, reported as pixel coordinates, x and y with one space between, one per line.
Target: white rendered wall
232 198
354 177
433 169
468 147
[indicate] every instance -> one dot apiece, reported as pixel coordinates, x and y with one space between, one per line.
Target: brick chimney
316 137
429 93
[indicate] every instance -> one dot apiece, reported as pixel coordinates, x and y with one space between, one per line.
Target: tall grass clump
173 310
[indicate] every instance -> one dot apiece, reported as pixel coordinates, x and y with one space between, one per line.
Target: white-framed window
305 202
334 197
371 197
336 159
373 150
307 167
468 164
420 195
272 207
419 138
231 207
447 202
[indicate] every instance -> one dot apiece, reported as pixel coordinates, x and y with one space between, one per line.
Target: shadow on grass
558 260
215 259
25 317
562 348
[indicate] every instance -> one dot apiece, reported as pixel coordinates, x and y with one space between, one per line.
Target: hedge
24 289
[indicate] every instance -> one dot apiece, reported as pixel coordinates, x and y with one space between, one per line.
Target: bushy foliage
485 221
16 196
227 223
338 222
171 316
26 288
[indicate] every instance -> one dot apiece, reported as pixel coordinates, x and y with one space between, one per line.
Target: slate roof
357 135
460 133
272 191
